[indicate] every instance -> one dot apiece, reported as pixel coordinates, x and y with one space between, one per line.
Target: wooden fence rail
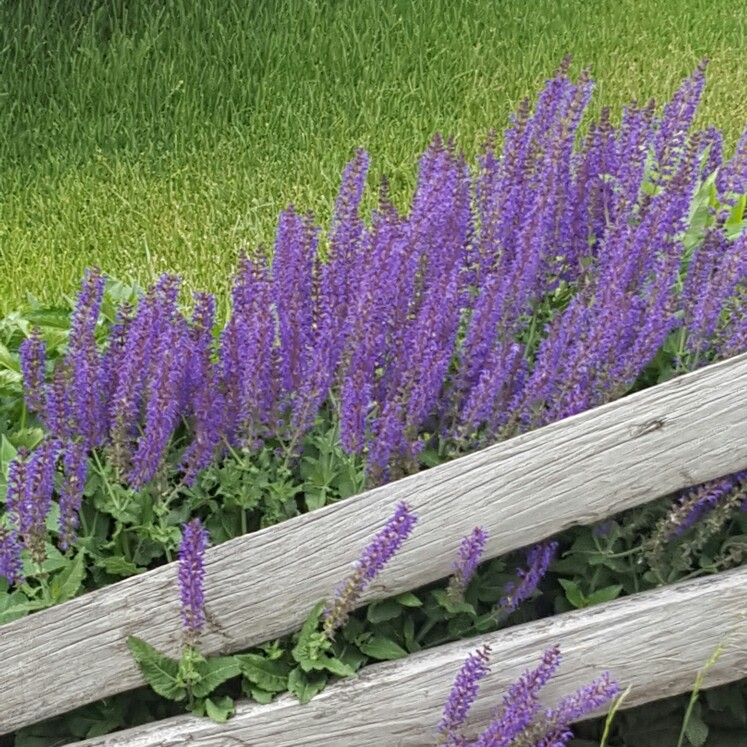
655 642
262 585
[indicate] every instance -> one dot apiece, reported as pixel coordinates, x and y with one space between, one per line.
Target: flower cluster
376 555
520 719
31 488
510 295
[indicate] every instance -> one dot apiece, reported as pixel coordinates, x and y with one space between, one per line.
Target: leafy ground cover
562 272
146 138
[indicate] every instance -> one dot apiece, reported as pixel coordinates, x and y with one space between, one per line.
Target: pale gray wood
262 586
656 642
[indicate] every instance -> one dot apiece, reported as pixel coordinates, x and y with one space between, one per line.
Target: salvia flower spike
377 554
538 561
74 462
11 567
575 707
468 558
521 703
192 579
462 696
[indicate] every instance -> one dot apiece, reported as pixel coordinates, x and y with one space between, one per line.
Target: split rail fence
262 586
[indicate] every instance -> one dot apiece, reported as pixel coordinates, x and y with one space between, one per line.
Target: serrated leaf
220 710
159 671
66 584
305 685
379 612
271 676
382 649
334 666
118 565
214 672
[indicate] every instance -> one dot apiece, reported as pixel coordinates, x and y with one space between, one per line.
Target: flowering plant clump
539 284
572 264
519 721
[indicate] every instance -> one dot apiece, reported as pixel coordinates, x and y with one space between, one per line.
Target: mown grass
164 136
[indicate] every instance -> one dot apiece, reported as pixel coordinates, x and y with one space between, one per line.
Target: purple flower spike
462 696
11 566
520 704
468 558
575 707
33 363
379 552
30 488
74 461
87 400
192 579
538 561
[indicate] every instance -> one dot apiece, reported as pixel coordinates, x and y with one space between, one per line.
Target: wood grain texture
655 642
262 586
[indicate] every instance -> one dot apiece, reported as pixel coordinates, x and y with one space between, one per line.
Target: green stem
427 627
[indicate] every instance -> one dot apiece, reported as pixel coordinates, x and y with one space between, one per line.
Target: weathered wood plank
656 642
261 586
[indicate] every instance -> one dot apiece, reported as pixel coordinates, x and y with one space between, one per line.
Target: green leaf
352 658
271 676
16 605
382 649
607 594
214 672
379 612
408 599
7 454
66 584
54 561
8 360
220 710
50 317
451 606
305 685
261 696
160 671
315 498
311 644
572 593
334 666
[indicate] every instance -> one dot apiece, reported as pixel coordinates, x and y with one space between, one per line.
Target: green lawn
155 140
